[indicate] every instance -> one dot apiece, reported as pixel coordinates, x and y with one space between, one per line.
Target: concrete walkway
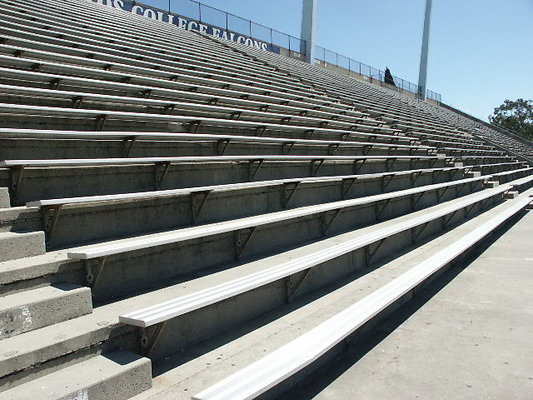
471 338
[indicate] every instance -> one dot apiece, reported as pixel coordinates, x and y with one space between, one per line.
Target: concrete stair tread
117 375
33 309
18 245
4 197
65 337
31 267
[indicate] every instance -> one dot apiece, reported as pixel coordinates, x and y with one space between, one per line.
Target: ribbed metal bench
160 239
284 362
191 123
169 106
222 140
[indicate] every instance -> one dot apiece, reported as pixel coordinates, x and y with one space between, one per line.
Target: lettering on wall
187 24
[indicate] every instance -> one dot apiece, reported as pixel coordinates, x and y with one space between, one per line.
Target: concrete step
52 182
512 194
20 245
478 316
4 197
105 218
34 309
115 376
38 351
20 219
183 375
473 174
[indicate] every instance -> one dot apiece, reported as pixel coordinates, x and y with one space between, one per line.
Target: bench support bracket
50 215
93 269
221 146
416 231
198 200
288 191
371 252
242 238
161 170
381 208
315 166
295 283
16 177
328 218
127 145
253 167
347 185
148 337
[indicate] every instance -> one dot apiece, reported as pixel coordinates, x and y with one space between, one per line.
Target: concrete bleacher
182 195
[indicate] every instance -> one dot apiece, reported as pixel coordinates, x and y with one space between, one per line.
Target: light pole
422 76
308 32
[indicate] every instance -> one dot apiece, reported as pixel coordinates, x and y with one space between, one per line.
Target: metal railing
330 57
194 10
229 22
434 96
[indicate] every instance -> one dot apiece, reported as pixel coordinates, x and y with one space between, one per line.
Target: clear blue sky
481 51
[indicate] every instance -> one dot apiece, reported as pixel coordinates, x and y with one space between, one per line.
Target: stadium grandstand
191 215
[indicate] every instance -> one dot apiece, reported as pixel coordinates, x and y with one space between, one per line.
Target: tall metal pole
422 76
308 32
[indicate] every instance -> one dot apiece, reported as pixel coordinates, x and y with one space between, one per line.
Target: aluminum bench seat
197 159
199 137
38 56
119 76
180 105
32 48
136 29
506 173
234 186
194 122
284 362
160 239
262 102
164 41
62 46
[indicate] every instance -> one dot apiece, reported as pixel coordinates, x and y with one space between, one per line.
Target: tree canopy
516 116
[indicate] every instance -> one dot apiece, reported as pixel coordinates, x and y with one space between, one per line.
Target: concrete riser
253 304
20 245
4 197
45 307
50 149
157 266
117 375
196 327
39 184
115 220
99 105
353 341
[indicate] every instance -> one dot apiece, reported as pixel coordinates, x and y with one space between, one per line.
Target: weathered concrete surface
34 309
116 376
472 340
4 197
19 245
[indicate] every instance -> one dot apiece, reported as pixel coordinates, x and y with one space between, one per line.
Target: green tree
516 116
